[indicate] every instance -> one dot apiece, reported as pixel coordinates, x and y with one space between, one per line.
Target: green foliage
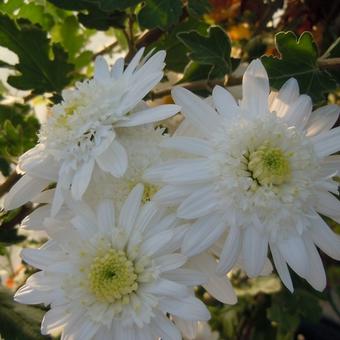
176 58
38 72
334 52
198 7
100 15
160 13
18 133
51 40
299 59
13 314
213 49
287 310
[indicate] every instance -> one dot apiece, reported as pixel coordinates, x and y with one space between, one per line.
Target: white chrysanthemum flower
113 279
142 145
261 170
81 132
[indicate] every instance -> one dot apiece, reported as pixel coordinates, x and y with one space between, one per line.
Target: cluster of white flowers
136 219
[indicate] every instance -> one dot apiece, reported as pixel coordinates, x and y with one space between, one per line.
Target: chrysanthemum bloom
108 278
80 135
142 145
260 170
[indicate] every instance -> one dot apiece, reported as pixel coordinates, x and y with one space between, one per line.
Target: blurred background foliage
47 45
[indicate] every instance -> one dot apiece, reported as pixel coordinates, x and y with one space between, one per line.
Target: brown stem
144 40
9 182
329 63
198 85
24 211
106 49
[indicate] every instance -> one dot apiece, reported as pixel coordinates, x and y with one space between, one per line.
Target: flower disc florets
112 276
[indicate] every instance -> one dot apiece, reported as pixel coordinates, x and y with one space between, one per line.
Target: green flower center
269 166
112 276
149 190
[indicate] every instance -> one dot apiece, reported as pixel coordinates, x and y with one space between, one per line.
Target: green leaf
38 72
299 60
334 52
14 120
71 5
69 36
176 52
213 50
110 5
287 310
195 71
6 65
160 13
36 14
19 321
198 7
10 6
101 20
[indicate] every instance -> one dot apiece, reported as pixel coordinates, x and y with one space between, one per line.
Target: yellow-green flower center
149 190
269 165
112 277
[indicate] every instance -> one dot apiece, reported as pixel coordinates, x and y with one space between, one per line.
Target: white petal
317 275
106 216
281 267
230 251
330 166
188 328
113 160
203 234
171 194
101 71
165 328
327 143
138 91
23 191
58 199
150 65
254 249
53 319
218 286
189 308
163 287
200 203
82 179
200 114
327 240
190 171
150 115
155 243
289 93
224 102
134 62
35 220
41 166
29 296
130 208
255 86
149 211
299 112
195 146
117 69
294 252
322 119
169 262
328 205
187 277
